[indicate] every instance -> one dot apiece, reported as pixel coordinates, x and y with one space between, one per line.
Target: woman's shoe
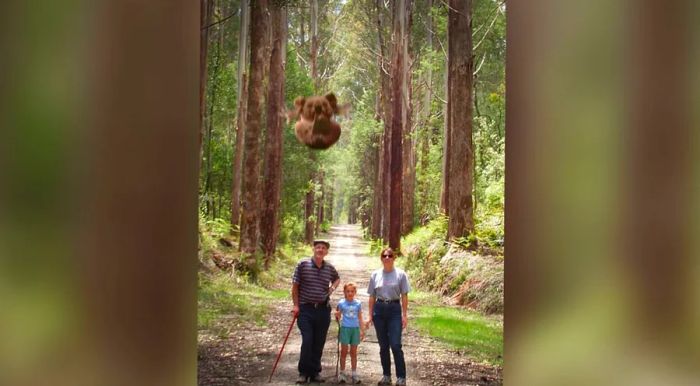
386 380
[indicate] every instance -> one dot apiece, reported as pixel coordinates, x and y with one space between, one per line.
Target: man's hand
404 321
295 311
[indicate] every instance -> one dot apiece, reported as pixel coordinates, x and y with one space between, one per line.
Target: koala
315 126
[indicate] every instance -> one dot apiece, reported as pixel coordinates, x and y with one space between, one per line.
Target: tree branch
219 21
486 33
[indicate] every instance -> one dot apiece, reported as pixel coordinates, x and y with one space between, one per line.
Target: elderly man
313 282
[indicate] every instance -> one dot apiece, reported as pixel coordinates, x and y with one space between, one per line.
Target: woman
388 308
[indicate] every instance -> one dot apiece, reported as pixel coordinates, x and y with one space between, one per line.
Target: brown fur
316 127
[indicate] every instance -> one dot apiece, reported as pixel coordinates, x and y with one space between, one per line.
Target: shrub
470 279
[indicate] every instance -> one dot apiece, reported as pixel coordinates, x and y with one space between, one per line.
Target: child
351 330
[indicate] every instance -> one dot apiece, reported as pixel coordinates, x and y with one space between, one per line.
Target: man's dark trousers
313 323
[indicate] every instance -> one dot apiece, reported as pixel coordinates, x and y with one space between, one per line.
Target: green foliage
487 289
471 279
479 336
375 247
222 296
423 248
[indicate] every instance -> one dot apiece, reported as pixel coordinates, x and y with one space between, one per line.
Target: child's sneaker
356 379
400 381
342 378
386 380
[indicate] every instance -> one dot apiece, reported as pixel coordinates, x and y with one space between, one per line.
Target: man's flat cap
328 245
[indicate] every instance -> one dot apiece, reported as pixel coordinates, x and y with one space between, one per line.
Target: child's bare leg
343 355
353 356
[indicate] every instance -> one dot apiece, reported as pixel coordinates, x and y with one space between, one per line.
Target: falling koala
315 126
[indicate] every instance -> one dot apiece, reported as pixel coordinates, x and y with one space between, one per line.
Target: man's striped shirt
314 281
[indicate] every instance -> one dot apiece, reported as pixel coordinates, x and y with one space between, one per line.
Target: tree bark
269 221
461 156
319 203
376 222
310 213
444 193
242 112
205 7
427 130
208 190
259 38
329 210
314 44
309 206
408 145
385 152
659 170
396 169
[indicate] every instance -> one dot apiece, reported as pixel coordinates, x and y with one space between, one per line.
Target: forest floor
246 355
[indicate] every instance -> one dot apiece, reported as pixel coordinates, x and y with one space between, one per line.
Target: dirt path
246 357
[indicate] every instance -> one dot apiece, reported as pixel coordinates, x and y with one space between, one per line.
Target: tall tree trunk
330 205
385 152
310 211
659 171
461 156
205 7
320 202
134 243
408 146
425 120
376 222
309 206
447 145
213 88
396 169
269 221
242 112
259 39
314 45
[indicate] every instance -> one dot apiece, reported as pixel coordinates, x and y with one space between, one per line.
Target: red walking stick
282 348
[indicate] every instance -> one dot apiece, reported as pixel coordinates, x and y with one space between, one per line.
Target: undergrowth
227 297
474 279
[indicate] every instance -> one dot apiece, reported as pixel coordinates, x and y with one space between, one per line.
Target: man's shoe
342 378
386 380
400 381
316 379
356 380
301 380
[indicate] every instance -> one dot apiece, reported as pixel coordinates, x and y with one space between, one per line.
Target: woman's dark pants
313 324
387 323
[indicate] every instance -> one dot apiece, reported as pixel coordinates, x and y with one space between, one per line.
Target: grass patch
479 336
221 297
423 298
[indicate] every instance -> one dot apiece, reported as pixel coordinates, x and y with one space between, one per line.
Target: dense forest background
425 80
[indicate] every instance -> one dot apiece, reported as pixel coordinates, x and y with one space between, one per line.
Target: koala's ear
333 101
299 103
